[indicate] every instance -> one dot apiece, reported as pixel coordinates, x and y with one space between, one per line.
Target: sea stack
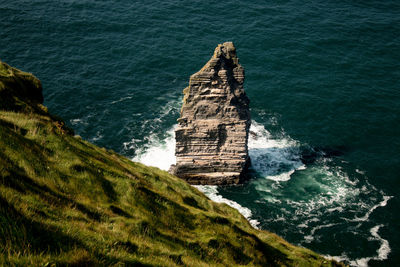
213 129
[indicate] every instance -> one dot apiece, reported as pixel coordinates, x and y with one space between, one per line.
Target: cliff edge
211 138
67 202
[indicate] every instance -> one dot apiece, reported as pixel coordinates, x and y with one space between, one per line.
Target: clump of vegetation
64 201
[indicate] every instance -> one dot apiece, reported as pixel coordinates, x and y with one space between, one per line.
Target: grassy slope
68 202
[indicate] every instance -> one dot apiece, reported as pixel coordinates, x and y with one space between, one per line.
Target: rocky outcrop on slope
22 92
211 138
19 91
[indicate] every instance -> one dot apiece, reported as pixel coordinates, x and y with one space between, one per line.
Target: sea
323 78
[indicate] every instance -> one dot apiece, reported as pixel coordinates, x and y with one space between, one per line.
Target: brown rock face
211 138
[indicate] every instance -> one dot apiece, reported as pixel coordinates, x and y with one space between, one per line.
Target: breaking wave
211 191
158 153
274 159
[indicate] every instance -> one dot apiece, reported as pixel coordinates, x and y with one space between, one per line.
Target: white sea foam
274 159
384 249
211 191
338 209
84 120
308 238
281 177
360 172
130 144
311 236
169 107
382 252
122 99
76 121
334 190
158 153
383 203
97 137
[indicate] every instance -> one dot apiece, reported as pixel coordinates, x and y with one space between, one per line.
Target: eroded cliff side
211 138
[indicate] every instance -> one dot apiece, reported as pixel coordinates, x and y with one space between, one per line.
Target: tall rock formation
211 138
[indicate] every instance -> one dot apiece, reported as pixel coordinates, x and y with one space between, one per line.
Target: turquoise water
322 77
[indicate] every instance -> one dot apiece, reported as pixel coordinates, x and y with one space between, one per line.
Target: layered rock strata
211 138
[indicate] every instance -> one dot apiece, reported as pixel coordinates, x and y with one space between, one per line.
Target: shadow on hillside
92 169
39 156
22 236
19 181
19 233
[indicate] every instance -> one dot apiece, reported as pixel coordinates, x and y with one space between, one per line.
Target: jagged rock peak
226 50
211 138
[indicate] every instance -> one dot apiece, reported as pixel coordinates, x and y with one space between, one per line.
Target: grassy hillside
64 201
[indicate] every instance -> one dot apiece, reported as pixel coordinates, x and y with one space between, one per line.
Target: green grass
3 70
66 202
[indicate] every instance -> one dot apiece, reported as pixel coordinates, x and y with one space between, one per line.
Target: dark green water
322 77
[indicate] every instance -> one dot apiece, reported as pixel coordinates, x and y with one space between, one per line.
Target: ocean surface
323 80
